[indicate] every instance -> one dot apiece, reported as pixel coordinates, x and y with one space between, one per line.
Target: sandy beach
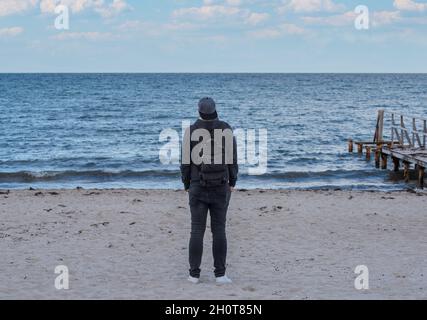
132 244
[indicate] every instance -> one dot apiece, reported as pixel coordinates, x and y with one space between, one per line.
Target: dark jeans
214 200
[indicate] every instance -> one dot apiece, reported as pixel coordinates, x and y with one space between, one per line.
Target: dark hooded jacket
190 172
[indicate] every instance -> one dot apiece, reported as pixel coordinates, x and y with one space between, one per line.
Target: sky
214 36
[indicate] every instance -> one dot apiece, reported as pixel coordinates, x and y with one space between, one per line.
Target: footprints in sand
29 231
93 193
68 214
380 226
4 235
52 193
96 225
274 209
249 288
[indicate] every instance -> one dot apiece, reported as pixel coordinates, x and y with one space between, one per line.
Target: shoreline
409 189
283 244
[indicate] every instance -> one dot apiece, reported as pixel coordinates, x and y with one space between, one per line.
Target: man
209 183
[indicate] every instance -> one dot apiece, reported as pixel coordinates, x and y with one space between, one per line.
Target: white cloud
310 6
130 25
255 18
226 2
409 5
92 36
233 2
265 33
106 8
221 11
48 6
279 31
147 28
289 28
10 32
380 18
207 12
347 19
9 7
213 10
113 8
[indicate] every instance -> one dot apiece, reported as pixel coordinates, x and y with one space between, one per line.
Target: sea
103 130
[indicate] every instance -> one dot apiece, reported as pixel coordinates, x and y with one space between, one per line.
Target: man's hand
232 189
187 190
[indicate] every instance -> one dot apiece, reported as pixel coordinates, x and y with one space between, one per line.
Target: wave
46 176
312 175
100 175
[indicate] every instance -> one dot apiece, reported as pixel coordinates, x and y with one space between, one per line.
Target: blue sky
213 36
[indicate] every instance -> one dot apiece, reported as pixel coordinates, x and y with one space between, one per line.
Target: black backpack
212 174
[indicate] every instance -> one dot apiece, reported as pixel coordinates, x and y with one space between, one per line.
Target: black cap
207 109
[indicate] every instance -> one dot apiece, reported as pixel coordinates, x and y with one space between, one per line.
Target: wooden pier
406 146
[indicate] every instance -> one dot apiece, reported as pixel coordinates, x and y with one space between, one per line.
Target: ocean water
102 130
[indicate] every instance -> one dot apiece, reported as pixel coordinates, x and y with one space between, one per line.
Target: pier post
360 148
377 157
383 161
406 171
368 153
421 172
350 145
379 131
425 133
396 163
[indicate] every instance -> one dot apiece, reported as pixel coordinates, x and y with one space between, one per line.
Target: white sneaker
223 280
193 279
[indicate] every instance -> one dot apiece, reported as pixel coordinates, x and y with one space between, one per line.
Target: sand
132 244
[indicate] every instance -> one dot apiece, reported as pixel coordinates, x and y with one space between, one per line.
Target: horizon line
201 72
